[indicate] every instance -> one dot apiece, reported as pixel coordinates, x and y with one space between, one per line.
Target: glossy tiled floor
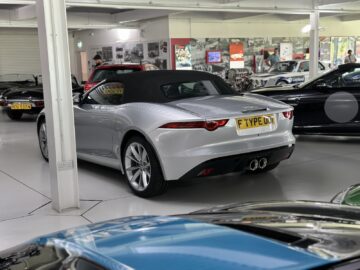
320 167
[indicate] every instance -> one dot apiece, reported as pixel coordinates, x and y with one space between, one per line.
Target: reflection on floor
319 168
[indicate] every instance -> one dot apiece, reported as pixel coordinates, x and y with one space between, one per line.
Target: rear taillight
88 86
208 125
39 103
288 115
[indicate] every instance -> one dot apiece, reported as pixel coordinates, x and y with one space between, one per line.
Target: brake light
288 115
39 103
208 125
88 86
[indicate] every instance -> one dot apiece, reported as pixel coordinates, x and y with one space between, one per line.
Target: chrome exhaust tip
254 165
263 162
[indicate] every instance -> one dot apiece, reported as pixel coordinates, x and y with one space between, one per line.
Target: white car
286 72
164 125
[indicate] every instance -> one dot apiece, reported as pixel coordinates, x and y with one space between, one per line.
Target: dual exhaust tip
258 164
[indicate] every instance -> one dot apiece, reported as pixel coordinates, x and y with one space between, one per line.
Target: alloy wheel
137 166
43 140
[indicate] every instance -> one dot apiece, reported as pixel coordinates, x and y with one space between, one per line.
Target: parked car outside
291 235
158 126
327 105
28 99
108 71
286 72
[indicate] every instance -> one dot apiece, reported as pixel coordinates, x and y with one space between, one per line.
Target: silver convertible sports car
170 125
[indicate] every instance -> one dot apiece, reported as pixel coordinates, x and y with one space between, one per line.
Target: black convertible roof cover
145 86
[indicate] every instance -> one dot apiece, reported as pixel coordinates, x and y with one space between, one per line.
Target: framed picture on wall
213 57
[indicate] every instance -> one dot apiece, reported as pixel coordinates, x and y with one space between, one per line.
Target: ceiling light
79 44
306 29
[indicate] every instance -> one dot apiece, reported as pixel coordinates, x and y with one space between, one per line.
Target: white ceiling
137 10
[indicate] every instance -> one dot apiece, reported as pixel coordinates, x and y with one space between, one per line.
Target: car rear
20 100
226 134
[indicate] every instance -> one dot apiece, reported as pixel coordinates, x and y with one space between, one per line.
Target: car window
286 66
304 66
352 78
106 94
342 78
32 256
102 74
181 90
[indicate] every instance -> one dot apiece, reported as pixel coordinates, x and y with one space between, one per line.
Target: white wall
269 26
154 29
94 40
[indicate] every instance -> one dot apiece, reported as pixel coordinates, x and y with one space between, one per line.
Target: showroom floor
320 167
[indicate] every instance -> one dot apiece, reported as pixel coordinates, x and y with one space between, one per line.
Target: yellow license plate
255 121
20 106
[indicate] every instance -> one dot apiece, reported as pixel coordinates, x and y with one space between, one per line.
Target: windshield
310 82
102 74
286 66
181 90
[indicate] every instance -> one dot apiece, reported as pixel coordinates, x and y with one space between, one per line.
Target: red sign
236 55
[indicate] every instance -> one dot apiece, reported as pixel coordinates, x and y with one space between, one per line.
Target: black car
327 105
9 81
28 99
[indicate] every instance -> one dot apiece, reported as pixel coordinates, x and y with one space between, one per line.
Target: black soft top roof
145 86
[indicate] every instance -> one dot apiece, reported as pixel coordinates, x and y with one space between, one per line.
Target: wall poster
183 57
236 51
286 51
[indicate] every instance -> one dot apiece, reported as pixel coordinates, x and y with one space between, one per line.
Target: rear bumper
33 110
238 163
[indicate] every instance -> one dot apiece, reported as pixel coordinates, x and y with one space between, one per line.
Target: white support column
55 66
314 44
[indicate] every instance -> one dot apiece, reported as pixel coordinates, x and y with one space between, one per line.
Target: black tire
14 115
157 184
40 126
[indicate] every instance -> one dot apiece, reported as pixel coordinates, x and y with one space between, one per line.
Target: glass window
351 79
106 94
304 66
181 90
102 74
285 66
343 79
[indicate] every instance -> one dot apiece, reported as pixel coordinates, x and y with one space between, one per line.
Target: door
94 120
